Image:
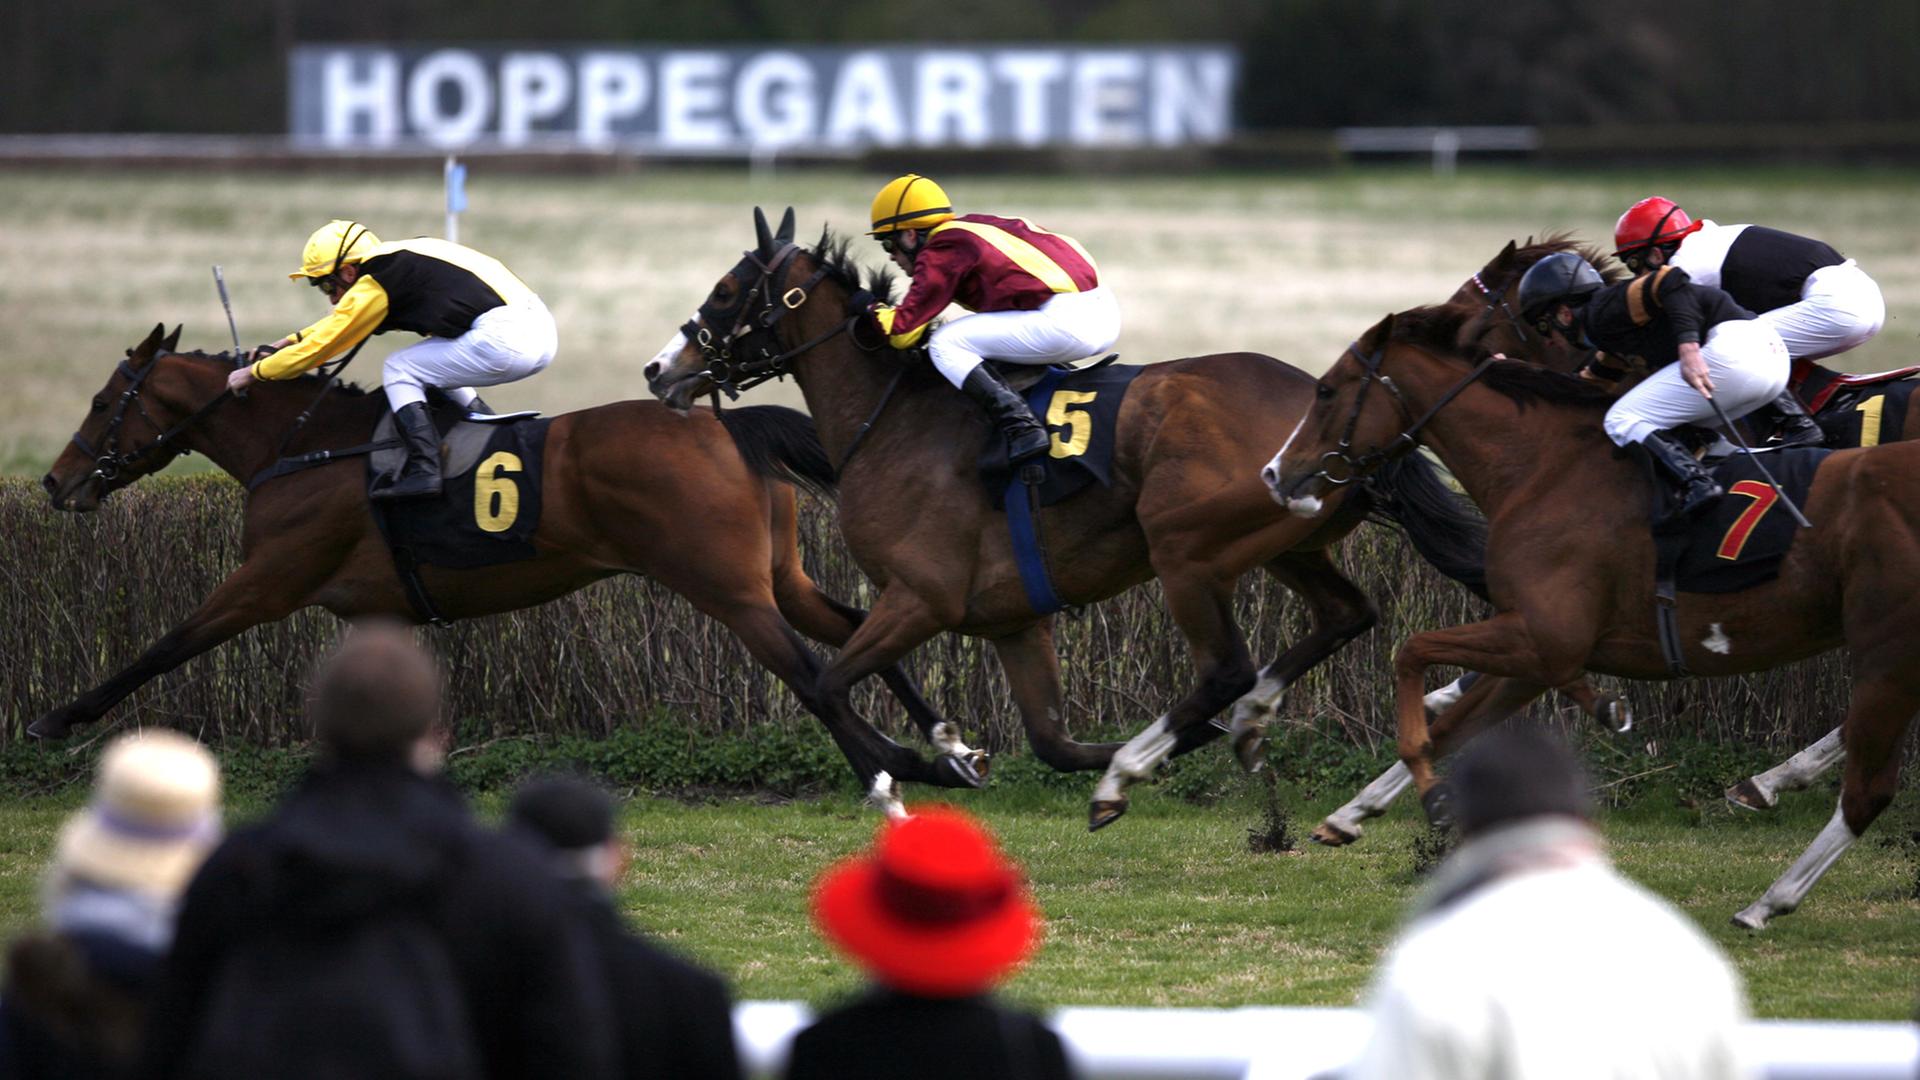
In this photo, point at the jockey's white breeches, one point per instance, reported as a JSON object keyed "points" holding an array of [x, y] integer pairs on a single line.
{"points": [[1749, 367], [506, 343], [1840, 307], [1071, 326]]}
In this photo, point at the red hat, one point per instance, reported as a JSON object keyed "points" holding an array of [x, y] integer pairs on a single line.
{"points": [[934, 909]]}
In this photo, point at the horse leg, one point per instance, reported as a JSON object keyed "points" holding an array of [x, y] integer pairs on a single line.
{"points": [[1339, 613], [1453, 714], [899, 623], [1032, 668], [261, 590], [1610, 711], [1762, 792], [1883, 706], [1504, 644], [831, 622], [1202, 606]]}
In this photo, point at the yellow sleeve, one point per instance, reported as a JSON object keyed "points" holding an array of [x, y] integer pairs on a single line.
{"points": [[884, 315], [359, 313]]}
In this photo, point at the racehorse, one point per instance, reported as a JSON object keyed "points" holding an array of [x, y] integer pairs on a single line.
{"points": [[1186, 505], [1570, 559], [618, 482]]}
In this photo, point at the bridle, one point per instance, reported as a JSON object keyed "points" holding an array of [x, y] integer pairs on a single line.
{"points": [[1356, 466], [108, 462], [1497, 301], [739, 341]]}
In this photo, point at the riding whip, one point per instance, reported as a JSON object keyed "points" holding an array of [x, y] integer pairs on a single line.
{"points": [[1741, 442], [220, 282]]}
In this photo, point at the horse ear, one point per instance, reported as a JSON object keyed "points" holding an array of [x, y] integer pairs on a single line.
{"points": [[762, 237], [173, 339], [785, 235], [144, 351]]}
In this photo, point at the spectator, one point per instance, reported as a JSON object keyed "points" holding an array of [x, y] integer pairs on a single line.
{"points": [[76, 993], [671, 1018], [938, 916], [369, 927], [1529, 956]]}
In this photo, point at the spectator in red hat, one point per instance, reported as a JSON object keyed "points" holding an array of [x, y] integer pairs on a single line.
{"points": [[938, 916]]}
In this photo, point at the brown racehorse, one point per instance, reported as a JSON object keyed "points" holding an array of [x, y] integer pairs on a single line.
{"points": [[619, 480], [1570, 558], [1186, 505]]}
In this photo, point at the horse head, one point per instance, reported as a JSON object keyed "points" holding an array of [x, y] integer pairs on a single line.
{"points": [[735, 340], [123, 435], [1500, 327]]}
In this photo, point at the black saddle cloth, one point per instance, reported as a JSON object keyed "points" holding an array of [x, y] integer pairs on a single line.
{"points": [[489, 504], [1739, 542], [1081, 409]]}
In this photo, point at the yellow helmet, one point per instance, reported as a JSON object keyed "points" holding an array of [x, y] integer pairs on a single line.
{"points": [[336, 242], [909, 202]]}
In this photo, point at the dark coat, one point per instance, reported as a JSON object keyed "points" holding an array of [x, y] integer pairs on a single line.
{"points": [[673, 1019], [73, 1006], [355, 842], [891, 1034]]}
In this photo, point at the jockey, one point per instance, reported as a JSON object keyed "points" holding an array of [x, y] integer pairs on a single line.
{"points": [[1817, 300], [1038, 295], [1721, 350], [482, 324]]}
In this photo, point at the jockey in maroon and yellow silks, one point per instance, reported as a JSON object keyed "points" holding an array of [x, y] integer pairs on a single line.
{"points": [[1037, 295]]}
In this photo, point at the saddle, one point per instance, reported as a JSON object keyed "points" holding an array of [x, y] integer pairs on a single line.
{"points": [[1817, 385], [462, 437], [1022, 377]]}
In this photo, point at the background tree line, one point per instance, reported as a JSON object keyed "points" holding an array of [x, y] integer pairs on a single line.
{"points": [[219, 65]]}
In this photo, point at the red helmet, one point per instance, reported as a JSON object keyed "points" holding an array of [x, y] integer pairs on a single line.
{"points": [[1653, 220]]}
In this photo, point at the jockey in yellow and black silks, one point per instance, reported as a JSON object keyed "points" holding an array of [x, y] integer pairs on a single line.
{"points": [[483, 327]]}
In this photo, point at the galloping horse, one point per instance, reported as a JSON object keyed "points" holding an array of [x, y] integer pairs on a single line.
{"points": [[1186, 505], [618, 482], [1570, 560]]}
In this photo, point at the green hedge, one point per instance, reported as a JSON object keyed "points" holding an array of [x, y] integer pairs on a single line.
{"points": [[85, 594]]}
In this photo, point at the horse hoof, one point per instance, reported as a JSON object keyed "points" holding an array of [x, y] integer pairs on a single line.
{"points": [[1250, 747], [1617, 714], [1753, 918], [1438, 803], [982, 763], [1104, 813], [1748, 795], [50, 727], [1332, 835], [951, 771]]}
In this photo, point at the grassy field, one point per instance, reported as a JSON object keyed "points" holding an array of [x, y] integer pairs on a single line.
{"points": [[1292, 265], [1169, 907]]}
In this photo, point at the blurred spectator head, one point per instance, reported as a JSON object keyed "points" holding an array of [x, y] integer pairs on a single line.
{"points": [[933, 909], [154, 817], [377, 696], [1514, 773], [575, 819]]}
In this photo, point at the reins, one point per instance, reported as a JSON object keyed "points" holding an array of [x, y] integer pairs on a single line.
{"points": [[732, 365], [1360, 465], [107, 464]]}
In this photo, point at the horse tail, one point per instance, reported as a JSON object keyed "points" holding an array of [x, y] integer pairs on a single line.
{"points": [[781, 444], [1443, 525]]}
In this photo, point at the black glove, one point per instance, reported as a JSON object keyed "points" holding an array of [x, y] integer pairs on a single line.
{"points": [[860, 300], [261, 352]]}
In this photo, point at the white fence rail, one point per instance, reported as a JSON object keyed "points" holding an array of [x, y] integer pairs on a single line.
{"points": [[1297, 1044], [1446, 144]]}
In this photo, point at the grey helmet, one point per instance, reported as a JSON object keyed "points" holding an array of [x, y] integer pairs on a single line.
{"points": [[1560, 277]]}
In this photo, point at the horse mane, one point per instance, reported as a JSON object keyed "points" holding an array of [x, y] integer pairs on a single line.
{"points": [[225, 359], [834, 254], [1436, 329], [1509, 265]]}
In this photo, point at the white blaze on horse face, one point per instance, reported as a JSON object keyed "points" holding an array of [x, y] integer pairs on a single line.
{"points": [[1717, 640], [1303, 505], [663, 359]]}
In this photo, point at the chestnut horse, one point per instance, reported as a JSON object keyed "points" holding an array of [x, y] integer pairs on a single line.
{"points": [[1186, 505], [1570, 558], [619, 480]]}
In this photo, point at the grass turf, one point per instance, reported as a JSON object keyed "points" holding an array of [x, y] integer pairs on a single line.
{"points": [[1170, 907]]}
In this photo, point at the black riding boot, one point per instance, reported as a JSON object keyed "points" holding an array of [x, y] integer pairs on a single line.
{"points": [[419, 478], [1792, 427], [1697, 489], [1025, 436], [478, 407]]}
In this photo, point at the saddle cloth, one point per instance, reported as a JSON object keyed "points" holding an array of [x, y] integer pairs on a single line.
{"points": [[1864, 413], [1080, 408], [489, 504], [1816, 384], [1740, 541]]}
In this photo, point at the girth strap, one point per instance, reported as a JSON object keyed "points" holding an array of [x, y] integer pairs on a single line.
{"points": [[1029, 552]]}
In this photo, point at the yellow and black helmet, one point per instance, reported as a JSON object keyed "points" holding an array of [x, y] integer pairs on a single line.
{"points": [[909, 202], [338, 241]]}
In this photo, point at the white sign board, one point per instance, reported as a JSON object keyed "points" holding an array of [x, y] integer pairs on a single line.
{"points": [[747, 100]]}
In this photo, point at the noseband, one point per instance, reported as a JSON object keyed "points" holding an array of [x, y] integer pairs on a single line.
{"points": [[1355, 466], [108, 463], [739, 342], [1497, 301]]}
